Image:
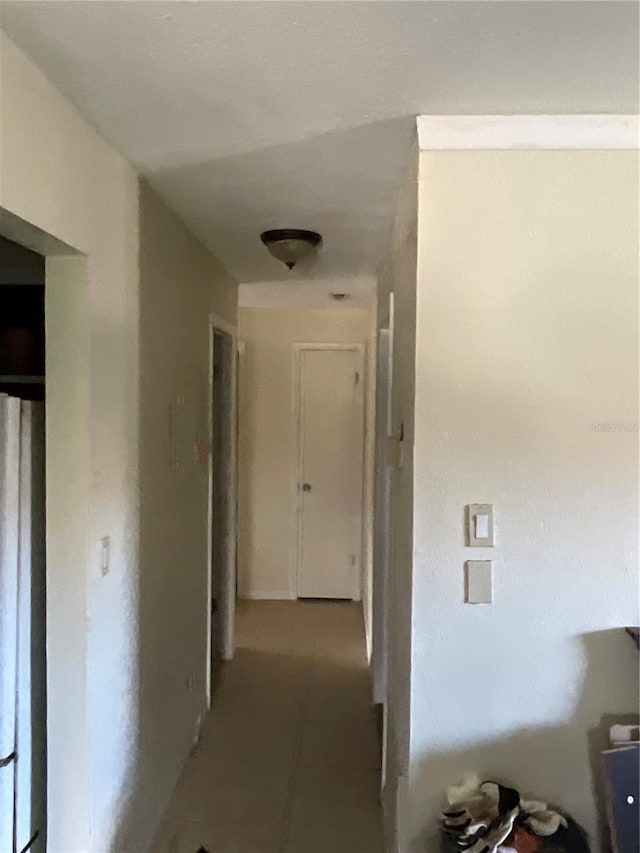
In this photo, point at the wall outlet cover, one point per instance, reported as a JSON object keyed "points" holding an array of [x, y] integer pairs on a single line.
{"points": [[479, 582]]}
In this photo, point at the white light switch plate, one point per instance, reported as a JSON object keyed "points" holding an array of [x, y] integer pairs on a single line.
{"points": [[105, 555], [479, 582], [479, 526]]}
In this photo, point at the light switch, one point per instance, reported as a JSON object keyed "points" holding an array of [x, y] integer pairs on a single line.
{"points": [[482, 526], [479, 582], [479, 526], [105, 554]]}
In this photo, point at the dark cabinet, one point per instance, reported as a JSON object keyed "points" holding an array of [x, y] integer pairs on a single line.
{"points": [[622, 768]]}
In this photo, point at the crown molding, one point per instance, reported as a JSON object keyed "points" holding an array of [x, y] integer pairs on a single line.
{"points": [[527, 132]]}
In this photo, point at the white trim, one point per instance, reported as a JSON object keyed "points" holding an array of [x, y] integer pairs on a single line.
{"points": [[493, 132], [268, 595], [296, 557], [243, 578], [222, 325], [209, 658]]}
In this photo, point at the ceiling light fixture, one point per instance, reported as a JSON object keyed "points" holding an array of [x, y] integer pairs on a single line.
{"points": [[290, 245], [340, 297]]}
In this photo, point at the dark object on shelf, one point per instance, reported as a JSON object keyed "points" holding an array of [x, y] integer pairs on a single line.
{"points": [[22, 341], [622, 767], [18, 350], [635, 633], [23, 387], [22, 329]]}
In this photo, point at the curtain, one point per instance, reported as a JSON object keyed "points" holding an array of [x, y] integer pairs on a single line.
{"points": [[22, 626], [9, 560]]}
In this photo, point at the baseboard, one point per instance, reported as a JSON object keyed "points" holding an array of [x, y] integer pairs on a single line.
{"points": [[202, 717], [388, 821], [268, 595]]}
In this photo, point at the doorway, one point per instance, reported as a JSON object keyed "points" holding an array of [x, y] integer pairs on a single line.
{"points": [[330, 456], [222, 492]]}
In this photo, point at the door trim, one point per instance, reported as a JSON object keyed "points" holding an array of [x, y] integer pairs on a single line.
{"points": [[296, 556], [381, 517], [219, 325]]}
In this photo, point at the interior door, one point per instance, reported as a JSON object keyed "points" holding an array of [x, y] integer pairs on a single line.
{"points": [[330, 472]]}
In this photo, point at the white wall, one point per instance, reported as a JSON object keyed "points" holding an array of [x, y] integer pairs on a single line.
{"points": [[181, 285], [120, 647], [527, 334], [268, 437], [58, 178]]}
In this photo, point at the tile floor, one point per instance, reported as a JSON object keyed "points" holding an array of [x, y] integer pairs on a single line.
{"points": [[289, 757]]}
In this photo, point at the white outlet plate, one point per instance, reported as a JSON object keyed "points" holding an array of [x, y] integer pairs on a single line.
{"points": [[479, 582]]}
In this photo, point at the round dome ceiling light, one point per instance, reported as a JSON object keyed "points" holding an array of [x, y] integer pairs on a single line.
{"points": [[290, 245]]}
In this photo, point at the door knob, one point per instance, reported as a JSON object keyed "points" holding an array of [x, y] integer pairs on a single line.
{"points": [[306, 487]]}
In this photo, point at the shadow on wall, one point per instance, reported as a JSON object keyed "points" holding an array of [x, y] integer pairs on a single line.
{"points": [[530, 758], [257, 186]]}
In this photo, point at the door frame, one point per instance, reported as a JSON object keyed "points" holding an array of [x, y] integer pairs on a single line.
{"points": [[229, 570], [381, 517], [67, 544], [296, 557]]}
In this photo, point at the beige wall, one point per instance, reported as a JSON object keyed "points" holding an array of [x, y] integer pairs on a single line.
{"points": [[181, 285], [119, 646], [65, 192], [527, 336], [268, 436]]}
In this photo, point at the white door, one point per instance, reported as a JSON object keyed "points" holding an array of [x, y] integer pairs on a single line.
{"points": [[330, 472]]}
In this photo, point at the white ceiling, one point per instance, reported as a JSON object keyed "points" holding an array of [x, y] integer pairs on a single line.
{"points": [[247, 116]]}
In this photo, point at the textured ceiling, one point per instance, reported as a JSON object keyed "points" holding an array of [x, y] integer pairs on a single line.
{"points": [[248, 116]]}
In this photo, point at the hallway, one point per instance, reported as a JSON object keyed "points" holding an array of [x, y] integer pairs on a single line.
{"points": [[289, 757]]}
